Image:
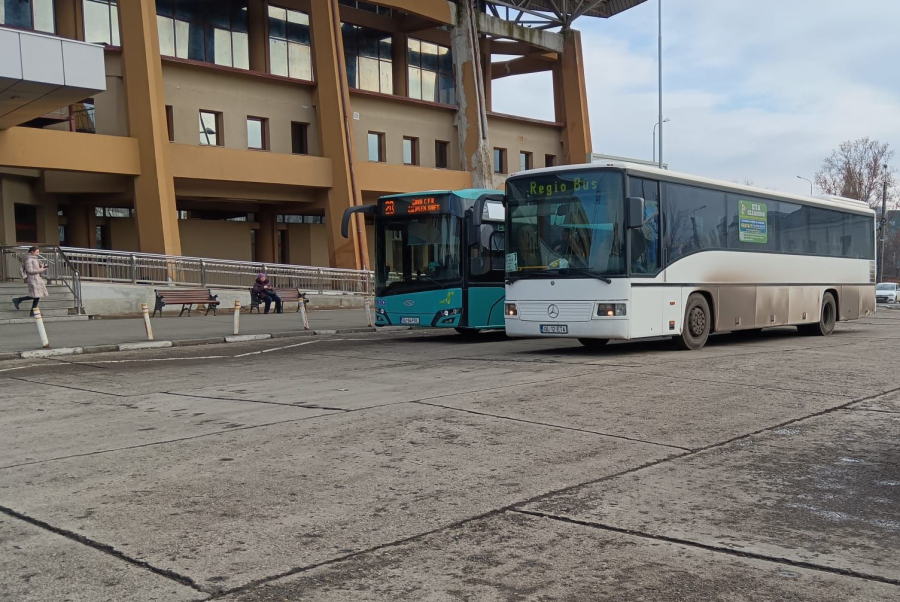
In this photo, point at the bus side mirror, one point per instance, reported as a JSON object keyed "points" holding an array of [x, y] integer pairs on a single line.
{"points": [[345, 222], [634, 212], [478, 207]]}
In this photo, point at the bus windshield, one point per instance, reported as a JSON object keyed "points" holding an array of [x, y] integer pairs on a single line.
{"points": [[418, 253], [566, 224]]}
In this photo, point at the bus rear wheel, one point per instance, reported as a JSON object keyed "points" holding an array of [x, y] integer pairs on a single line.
{"points": [[697, 323], [593, 343], [827, 319]]}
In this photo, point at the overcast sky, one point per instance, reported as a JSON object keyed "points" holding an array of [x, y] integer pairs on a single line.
{"points": [[760, 90]]}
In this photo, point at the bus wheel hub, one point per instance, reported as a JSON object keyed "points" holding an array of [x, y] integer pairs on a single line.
{"points": [[697, 322]]}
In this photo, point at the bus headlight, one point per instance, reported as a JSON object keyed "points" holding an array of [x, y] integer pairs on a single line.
{"points": [[511, 310], [609, 310]]}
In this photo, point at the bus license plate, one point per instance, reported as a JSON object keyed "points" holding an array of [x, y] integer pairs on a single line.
{"points": [[409, 320], [554, 329]]}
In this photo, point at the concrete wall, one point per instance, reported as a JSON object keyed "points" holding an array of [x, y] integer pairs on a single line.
{"points": [[110, 109], [18, 190], [123, 234], [308, 244], [518, 135], [236, 95], [215, 239]]}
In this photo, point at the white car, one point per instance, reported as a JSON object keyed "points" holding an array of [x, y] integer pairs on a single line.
{"points": [[887, 292]]}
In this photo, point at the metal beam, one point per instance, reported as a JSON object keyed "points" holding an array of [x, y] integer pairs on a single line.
{"points": [[504, 29]]}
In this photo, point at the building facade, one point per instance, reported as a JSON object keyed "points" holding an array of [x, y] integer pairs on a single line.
{"points": [[242, 129]]}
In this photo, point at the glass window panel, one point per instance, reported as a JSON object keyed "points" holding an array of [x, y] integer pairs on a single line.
{"points": [[96, 22], [368, 74], [429, 85], [239, 16], [43, 16], [277, 22], [695, 220], [407, 151], [240, 43], [165, 8], [218, 14], [415, 83], [368, 44], [645, 250], [429, 56], [794, 228], [166, 29], [440, 154], [182, 38], [188, 10], [254, 134], [498, 160], [348, 33], [197, 42], [114, 25], [385, 49], [448, 90], [221, 47], [15, 14], [278, 57], [387, 77], [300, 62], [208, 132], [445, 60], [415, 53], [374, 147], [298, 27]]}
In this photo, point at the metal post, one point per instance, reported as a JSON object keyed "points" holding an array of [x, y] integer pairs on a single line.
{"points": [[42, 332], [369, 319], [133, 269], [147, 327], [883, 222], [202, 273], [237, 317], [303, 315], [660, 89]]}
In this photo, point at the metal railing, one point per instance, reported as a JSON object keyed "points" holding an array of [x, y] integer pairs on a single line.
{"points": [[60, 269], [91, 265]]}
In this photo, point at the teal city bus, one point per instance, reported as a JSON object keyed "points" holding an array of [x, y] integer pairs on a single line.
{"points": [[439, 259]]}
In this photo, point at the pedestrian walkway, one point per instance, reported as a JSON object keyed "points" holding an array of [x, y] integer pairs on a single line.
{"points": [[24, 337]]}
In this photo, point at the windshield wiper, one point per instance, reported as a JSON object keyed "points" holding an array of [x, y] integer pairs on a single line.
{"points": [[585, 272], [557, 272]]}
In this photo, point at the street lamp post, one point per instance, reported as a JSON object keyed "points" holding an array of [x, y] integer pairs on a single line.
{"points": [[660, 89], [655, 125], [810, 184], [884, 222]]}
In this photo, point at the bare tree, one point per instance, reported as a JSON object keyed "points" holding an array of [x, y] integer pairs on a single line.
{"points": [[856, 170]]}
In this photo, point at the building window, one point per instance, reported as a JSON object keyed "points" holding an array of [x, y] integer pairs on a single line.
{"points": [[211, 133], [36, 15], [499, 160], [257, 133], [410, 151], [170, 122], [101, 22], [441, 154], [376, 147], [370, 8], [212, 32], [368, 55], [549, 160], [525, 161], [289, 46], [299, 138], [431, 72], [81, 116]]}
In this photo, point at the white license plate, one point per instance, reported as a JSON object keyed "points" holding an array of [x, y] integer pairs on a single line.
{"points": [[409, 320], [554, 329]]}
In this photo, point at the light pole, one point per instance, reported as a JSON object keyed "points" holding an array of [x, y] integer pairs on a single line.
{"points": [[884, 221], [666, 120], [660, 122], [810, 184]]}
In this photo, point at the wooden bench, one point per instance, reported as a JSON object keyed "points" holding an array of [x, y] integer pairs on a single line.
{"points": [[185, 298], [287, 295]]}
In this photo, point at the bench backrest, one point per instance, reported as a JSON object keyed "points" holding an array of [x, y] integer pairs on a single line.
{"points": [[185, 295]]}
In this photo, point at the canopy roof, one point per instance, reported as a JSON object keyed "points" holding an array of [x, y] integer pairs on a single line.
{"points": [[566, 11]]}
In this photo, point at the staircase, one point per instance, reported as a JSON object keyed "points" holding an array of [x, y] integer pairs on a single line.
{"points": [[58, 307]]}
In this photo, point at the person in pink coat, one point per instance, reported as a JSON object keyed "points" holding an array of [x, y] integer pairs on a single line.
{"points": [[37, 287]]}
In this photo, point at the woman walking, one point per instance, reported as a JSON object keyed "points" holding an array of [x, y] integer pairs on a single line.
{"points": [[37, 288]]}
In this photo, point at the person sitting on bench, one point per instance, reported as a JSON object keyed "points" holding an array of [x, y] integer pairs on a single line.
{"points": [[266, 293]]}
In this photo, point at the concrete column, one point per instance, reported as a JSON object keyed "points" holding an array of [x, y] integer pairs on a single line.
{"points": [[78, 225], [259, 40], [154, 198], [68, 22], [571, 92], [471, 116], [266, 237], [487, 76], [400, 63], [332, 105]]}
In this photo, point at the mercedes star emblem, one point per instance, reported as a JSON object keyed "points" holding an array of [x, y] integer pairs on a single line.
{"points": [[553, 311]]}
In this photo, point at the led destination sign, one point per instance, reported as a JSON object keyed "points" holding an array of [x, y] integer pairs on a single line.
{"points": [[414, 205]]}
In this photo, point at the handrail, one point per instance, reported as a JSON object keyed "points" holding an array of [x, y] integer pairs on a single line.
{"points": [[99, 265], [60, 268]]}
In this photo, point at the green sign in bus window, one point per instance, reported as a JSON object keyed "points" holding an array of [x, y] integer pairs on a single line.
{"points": [[752, 222]]}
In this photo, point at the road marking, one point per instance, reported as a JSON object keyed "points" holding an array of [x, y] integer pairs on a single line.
{"points": [[23, 367], [280, 348]]}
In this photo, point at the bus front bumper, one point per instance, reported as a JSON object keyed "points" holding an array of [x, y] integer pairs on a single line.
{"points": [[604, 328]]}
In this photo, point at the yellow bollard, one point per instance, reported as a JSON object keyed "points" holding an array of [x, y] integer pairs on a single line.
{"points": [[237, 317], [303, 315], [146, 312], [39, 320]]}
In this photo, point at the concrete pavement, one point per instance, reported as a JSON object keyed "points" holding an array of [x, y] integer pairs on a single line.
{"points": [[415, 466]]}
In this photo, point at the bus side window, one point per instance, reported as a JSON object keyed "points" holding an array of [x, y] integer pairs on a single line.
{"points": [[486, 254], [645, 240]]}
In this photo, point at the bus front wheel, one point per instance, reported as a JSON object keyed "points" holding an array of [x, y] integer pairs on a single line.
{"points": [[827, 319], [697, 323], [593, 343]]}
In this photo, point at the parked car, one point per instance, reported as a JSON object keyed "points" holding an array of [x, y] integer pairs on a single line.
{"points": [[887, 292]]}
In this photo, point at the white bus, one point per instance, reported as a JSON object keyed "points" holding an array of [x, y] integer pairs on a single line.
{"points": [[625, 251]]}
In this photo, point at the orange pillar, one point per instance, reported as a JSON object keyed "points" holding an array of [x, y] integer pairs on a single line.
{"points": [[258, 40], [333, 104], [266, 237], [67, 22], [400, 63], [78, 225], [570, 93], [154, 189]]}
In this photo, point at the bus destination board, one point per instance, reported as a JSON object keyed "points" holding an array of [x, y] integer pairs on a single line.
{"points": [[413, 205]]}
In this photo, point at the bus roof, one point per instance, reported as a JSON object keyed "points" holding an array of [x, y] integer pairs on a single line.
{"points": [[466, 193], [830, 201]]}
